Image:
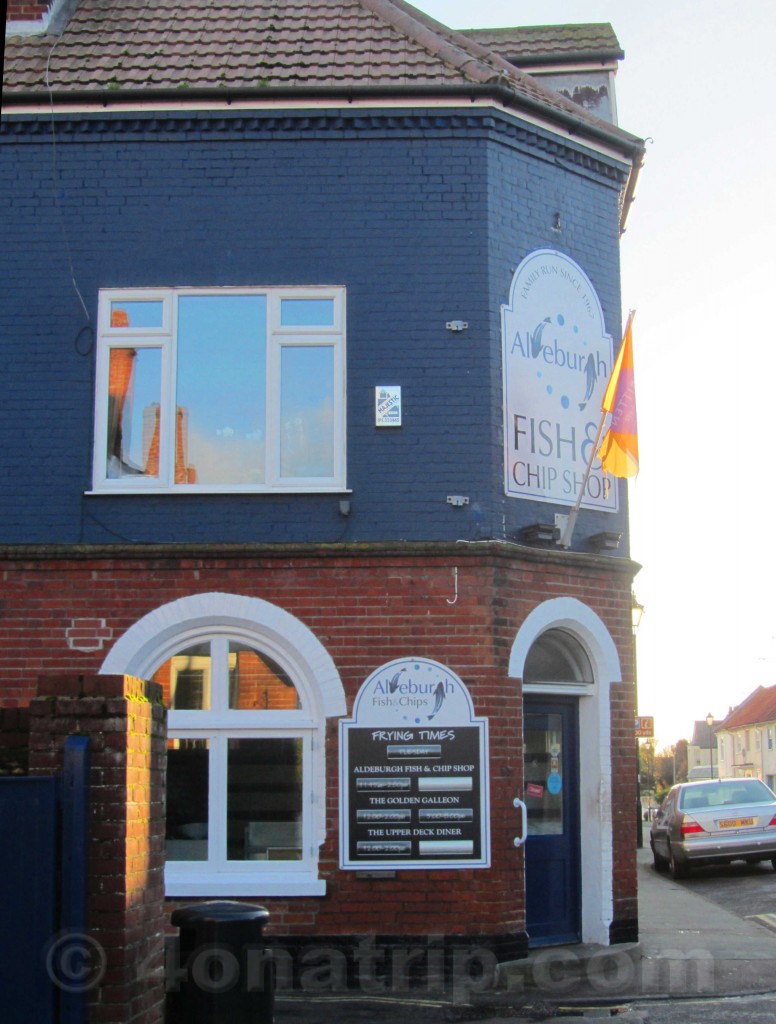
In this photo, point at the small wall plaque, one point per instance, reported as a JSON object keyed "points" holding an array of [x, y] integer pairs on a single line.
{"points": [[387, 405]]}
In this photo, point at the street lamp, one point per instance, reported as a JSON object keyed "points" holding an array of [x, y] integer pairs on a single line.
{"points": [[637, 610], [710, 722]]}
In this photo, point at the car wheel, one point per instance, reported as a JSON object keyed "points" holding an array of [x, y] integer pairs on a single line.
{"points": [[773, 863], [659, 863], [677, 869]]}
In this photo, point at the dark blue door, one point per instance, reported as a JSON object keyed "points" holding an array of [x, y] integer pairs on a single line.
{"points": [[551, 794]]}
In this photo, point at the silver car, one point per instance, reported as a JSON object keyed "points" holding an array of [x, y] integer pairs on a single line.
{"points": [[714, 822]]}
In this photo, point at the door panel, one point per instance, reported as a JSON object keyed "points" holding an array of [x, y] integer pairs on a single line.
{"points": [[551, 794], [28, 869]]}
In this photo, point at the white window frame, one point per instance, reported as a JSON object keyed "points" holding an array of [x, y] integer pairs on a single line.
{"points": [[164, 339], [166, 631], [217, 725]]}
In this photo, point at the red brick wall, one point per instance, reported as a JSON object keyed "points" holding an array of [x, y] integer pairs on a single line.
{"points": [[26, 10], [366, 609], [125, 722]]}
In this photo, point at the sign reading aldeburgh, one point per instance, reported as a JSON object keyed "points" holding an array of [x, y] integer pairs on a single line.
{"points": [[414, 772], [557, 362]]}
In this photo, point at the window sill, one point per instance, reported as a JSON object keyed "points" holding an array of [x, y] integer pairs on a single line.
{"points": [[243, 884], [148, 492]]}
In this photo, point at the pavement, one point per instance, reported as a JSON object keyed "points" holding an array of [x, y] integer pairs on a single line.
{"points": [[688, 948]]}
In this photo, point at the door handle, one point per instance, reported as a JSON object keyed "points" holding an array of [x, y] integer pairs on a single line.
{"points": [[519, 840]]}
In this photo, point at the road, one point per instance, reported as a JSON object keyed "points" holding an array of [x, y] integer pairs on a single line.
{"points": [[749, 1010], [748, 890], [744, 889]]}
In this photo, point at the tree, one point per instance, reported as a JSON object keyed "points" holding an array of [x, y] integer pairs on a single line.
{"points": [[670, 766], [647, 766]]}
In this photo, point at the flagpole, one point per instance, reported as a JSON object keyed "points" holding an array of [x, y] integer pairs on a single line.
{"points": [[565, 540], [571, 522]]}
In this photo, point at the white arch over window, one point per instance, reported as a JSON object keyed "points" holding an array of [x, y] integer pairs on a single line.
{"points": [[152, 639], [595, 761], [167, 630]]}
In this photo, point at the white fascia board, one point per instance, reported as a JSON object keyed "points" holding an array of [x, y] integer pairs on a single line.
{"points": [[27, 28], [575, 68]]}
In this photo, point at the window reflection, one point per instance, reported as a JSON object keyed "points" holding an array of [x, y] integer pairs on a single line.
{"points": [[137, 313], [307, 411], [307, 312], [185, 679], [543, 761], [557, 657], [187, 799], [134, 397], [264, 799], [258, 683], [221, 389]]}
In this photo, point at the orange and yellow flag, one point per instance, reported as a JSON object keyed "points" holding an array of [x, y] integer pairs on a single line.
{"points": [[619, 451]]}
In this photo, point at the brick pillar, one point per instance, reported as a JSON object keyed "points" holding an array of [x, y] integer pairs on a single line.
{"points": [[126, 723]]}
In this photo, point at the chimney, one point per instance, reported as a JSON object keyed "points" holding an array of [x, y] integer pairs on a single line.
{"points": [[33, 17], [26, 10]]}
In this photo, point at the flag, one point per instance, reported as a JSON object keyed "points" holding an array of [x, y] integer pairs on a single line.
{"points": [[619, 451]]}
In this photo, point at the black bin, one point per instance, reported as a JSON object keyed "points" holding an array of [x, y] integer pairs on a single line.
{"points": [[228, 973]]}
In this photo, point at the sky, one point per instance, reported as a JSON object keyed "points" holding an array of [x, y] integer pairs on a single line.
{"points": [[698, 266]]}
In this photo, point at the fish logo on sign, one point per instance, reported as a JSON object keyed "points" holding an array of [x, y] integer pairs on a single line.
{"points": [[394, 682], [439, 696], [591, 376]]}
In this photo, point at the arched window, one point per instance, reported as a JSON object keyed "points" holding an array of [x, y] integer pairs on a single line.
{"points": [[248, 688], [557, 657]]}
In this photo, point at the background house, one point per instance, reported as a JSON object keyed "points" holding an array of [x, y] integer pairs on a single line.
{"points": [[703, 752], [746, 737], [274, 272]]}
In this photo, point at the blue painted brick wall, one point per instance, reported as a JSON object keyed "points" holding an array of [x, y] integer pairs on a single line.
{"points": [[527, 201], [422, 221]]}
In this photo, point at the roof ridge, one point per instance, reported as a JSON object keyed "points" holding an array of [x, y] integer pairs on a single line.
{"points": [[439, 40], [549, 26], [758, 706], [478, 62]]}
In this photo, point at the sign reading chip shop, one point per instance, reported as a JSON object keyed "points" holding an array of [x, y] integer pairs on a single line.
{"points": [[414, 772], [557, 362]]}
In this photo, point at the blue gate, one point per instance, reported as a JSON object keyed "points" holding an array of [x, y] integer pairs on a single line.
{"points": [[44, 947]]}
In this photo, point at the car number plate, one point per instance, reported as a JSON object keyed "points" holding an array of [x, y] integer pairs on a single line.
{"points": [[735, 822]]}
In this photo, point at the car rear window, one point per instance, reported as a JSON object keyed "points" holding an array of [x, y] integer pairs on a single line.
{"points": [[723, 794]]}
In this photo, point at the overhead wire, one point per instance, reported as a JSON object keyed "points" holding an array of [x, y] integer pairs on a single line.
{"points": [[55, 183]]}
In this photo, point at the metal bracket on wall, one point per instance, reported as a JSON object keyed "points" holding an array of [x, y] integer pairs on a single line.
{"points": [[457, 500], [457, 325]]}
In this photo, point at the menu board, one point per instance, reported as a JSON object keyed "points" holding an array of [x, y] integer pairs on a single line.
{"points": [[413, 773]]}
